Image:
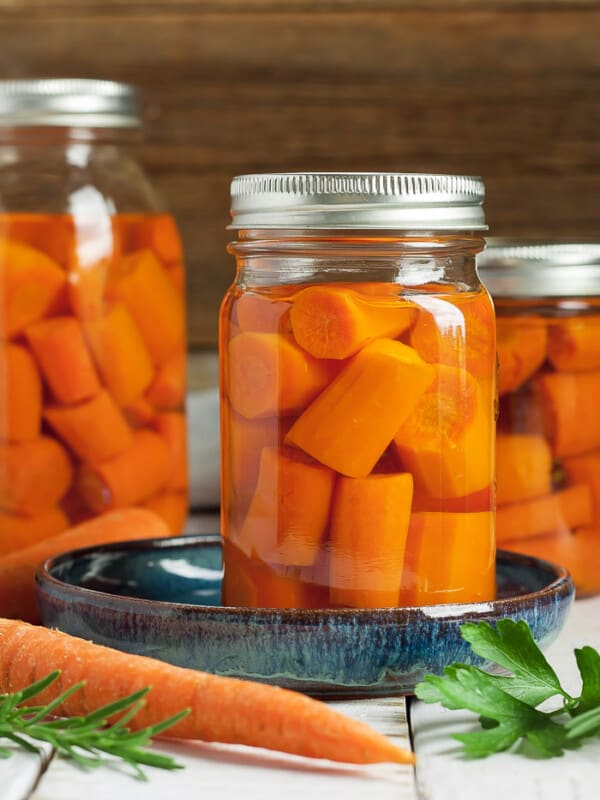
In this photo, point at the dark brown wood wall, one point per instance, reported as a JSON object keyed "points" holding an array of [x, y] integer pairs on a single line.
{"points": [[507, 90]]}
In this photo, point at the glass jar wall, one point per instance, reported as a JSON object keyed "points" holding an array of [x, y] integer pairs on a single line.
{"points": [[547, 301], [93, 344], [358, 360]]}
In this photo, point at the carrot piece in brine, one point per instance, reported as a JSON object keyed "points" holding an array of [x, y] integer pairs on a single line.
{"points": [[167, 390], [18, 531], [336, 322], [351, 423], [34, 475], [574, 344], [449, 558], [154, 303], [31, 286], [569, 402], [521, 344], [64, 359], [159, 233], [586, 469], [87, 288], [268, 374], [140, 413], [172, 426], [129, 478], [121, 355], [523, 468], [95, 430], [447, 441], [20, 394], [255, 312], [564, 510], [288, 515], [369, 527], [172, 507]]}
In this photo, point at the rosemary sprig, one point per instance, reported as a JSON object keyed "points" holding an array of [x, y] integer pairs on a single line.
{"points": [[86, 740]]}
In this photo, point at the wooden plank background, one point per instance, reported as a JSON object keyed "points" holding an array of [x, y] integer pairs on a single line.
{"points": [[507, 90]]}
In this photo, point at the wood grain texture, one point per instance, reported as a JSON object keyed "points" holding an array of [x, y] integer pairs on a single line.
{"points": [[510, 91]]}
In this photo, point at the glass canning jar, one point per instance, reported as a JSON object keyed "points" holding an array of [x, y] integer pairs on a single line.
{"points": [[358, 382], [92, 338], [547, 299]]}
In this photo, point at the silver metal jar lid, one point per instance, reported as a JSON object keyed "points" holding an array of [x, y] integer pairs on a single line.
{"points": [[358, 200], [69, 102], [513, 269]]}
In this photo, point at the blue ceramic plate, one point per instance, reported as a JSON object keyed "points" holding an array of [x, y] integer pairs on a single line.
{"points": [[162, 598]]}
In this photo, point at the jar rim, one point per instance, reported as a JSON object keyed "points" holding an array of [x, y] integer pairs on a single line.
{"points": [[357, 200]]}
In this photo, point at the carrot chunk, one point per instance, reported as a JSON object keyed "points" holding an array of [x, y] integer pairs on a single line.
{"points": [[449, 558], [87, 285], [269, 374], [154, 303], [260, 314], [159, 233], [66, 364], [21, 394], [457, 332], [288, 515], [574, 344], [369, 528], [172, 507], [521, 344], [569, 403], [565, 510], [586, 469], [32, 285], [121, 355], [351, 423], [335, 322], [167, 390], [18, 531], [34, 475], [171, 425], [95, 430], [447, 441], [130, 477], [523, 468]]}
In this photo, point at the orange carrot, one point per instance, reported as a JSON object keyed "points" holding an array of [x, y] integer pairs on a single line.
{"points": [[141, 413], [521, 344], [334, 322], [586, 469], [172, 507], [176, 273], [159, 233], [565, 510], [171, 425], [261, 314], [368, 537], [523, 468], [167, 390], [121, 355], [574, 344], [95, 430], [66, 364], [351, 423], [18, 531], [130, 477], [32, 285], [222, 709], [52, 234], [449, 558], [17, 570], [288, 515], [570, 406], [21, 394], [458, 332], [447, 441], [154, 303], [34, 475], [269, 374], [87, 285]]}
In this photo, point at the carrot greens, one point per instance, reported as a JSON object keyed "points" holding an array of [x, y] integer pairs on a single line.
{"points": [[86, 740], [507, 705]]}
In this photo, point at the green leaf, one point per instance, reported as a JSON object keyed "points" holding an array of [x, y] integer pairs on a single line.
{"points": [[588, 661], [512, 646]]}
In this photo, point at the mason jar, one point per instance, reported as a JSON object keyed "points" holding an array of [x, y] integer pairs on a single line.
{"points": [[547, 299], [93, 343], [358, 380]]}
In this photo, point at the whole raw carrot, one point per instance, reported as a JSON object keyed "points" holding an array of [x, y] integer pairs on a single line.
{"points": [[221, 709], [17, 570]]}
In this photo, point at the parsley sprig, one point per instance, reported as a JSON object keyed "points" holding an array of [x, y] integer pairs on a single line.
{"points": [[507, 705], [86, 740]]}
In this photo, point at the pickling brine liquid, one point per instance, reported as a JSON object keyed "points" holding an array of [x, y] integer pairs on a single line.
{"points": [[358, 439], [92, 371]]}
